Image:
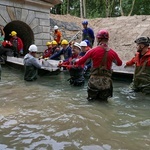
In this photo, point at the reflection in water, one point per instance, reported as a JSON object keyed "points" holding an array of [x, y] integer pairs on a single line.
{"points": [[50, 114]]}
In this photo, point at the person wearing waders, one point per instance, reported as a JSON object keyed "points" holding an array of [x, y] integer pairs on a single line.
{"points": [[100, 85], [141, 60], [75, 71], [31, 64]]}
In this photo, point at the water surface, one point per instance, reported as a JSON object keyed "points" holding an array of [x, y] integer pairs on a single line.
{"points": [[49, 114]]}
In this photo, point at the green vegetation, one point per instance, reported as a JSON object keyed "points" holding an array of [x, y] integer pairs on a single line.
{"points": [[102, 8]]}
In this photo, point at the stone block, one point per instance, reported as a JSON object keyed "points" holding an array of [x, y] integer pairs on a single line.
{"points": [[38, 42], [18, 13], [6, 2], [42, 15], [4, 14], [44, 22], [46, 29], [37, 8], [34, 23], [41, 48], [24, 15], [31, 16], [45, 41], [42, 36], [38, 29], [11, 12], [2, 21]]}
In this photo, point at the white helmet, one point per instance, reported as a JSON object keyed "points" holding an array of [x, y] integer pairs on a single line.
{"points": [[83, 43], [55, 27], [33, 48], [77, 45]]}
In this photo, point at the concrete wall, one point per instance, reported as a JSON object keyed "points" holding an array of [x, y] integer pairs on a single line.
{"points": [[34, 13]]}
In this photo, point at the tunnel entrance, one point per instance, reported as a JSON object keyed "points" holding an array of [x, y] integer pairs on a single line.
{"points": [[23, 31]]}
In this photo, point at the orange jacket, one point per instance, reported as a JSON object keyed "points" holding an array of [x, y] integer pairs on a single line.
{"points": [[140, 61], [57, 36]]}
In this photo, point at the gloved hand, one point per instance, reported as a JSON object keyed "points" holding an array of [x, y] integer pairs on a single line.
{"points": [[59, 64], [46, 58], [41, 57]]}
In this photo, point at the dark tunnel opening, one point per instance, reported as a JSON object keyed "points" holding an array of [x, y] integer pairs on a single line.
{"points": [[23, 31]]}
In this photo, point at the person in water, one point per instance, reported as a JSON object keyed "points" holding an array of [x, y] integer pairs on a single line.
{"points": [[141, 60], [31, 64], [100, 84], [76, 72]]}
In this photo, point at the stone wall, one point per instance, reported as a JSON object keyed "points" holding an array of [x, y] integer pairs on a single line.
{"points": [[35, 14]]}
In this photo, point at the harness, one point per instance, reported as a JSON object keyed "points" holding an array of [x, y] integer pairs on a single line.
{"points": [[102, 69], [100, 83]]}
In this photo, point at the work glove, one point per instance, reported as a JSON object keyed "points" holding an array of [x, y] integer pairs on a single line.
{"points": [[41, 57], [46, 58]]}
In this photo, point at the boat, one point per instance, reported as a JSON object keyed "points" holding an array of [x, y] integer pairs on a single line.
{"points": [[49, 67], [123, 74]]}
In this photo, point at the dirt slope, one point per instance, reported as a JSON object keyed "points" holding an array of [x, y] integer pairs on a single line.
{"points": [[123, 31]]}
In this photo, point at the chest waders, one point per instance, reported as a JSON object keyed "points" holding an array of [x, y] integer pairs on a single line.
{"points": [[77, 78], [141, 80], [100, 83], [31, 73]]}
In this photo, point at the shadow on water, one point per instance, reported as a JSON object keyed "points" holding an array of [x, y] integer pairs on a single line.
{"points": [[49, 114]]}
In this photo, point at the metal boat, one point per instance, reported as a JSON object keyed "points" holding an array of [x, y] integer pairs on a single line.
{"points": [[49, 67]]}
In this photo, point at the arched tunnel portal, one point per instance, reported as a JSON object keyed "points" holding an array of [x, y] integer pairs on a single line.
{"points": [[23, 31]]}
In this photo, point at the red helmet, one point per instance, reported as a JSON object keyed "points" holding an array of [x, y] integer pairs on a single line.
{"points": [[102, 34]]}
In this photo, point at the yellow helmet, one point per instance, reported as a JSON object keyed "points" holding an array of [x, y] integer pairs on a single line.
{"points": [[65, 42], [13, 33], [48, 43], [54, 42]]}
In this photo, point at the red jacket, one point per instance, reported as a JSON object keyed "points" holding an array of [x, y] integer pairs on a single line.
{"points": [[139, 61], [19, 43], [71, 62], [47, 53], [96, 55]]}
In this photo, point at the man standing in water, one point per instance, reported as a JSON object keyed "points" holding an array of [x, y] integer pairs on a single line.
{"points": [[100, 84], [141, 80], [31, 64]]}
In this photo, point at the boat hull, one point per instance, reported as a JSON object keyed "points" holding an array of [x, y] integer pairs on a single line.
{"points": [[48, 67]]}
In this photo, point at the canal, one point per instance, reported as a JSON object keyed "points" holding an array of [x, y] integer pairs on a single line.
{"points": [[49, 114]]}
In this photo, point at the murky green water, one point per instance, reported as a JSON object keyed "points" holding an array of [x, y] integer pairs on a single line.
{"points": [[49, 114]]}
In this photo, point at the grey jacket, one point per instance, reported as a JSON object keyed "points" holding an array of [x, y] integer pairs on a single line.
{"points": [[29, 60], [31, 67]]}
